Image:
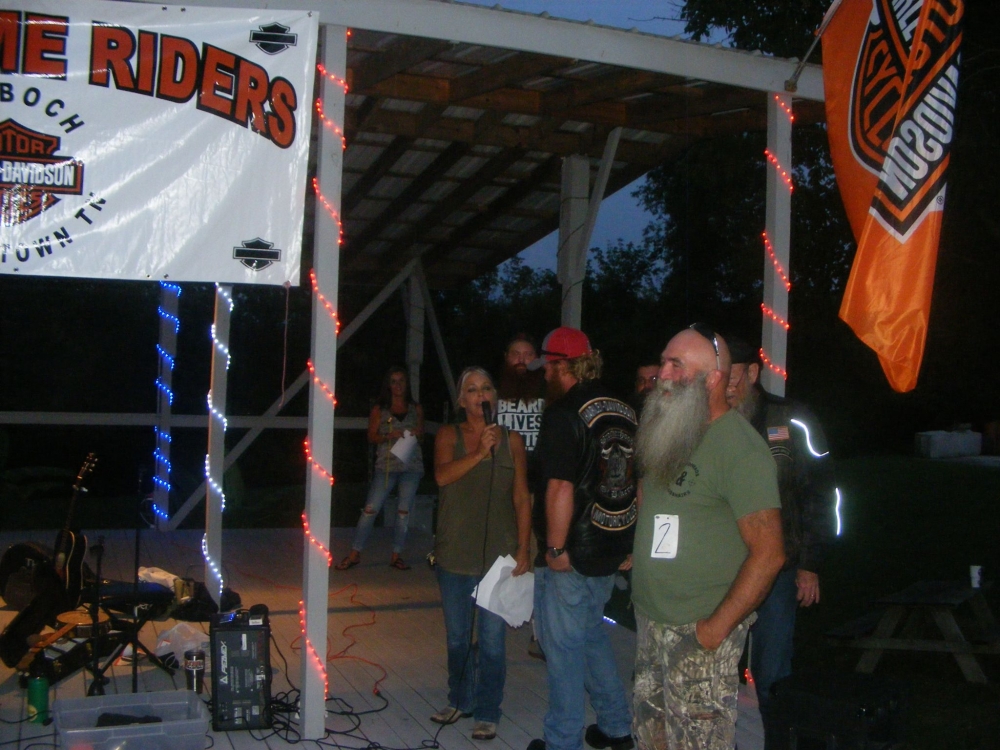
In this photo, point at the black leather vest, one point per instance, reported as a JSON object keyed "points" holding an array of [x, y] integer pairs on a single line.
{"points": [[605, 481]]}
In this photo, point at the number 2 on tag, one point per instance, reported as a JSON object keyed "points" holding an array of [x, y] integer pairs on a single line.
{"points": [[665, 531]]}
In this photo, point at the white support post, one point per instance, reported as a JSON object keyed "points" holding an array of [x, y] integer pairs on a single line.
{"points": [[777, 241], [414, 334], [215, 499], [166, 353], [600, 184], [571, 261], [319, 488]]}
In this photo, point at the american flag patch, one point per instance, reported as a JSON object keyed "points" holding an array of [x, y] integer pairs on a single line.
{"points": [[774, 434]]}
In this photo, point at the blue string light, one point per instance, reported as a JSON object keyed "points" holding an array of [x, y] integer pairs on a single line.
{"points": [[162, 483], [166, 390], [175, 288], [163, 435], [160, 512], [165, 357], [159, 458], [171, 317]]}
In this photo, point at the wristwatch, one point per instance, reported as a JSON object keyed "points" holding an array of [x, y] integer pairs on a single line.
{"points": [[554, 552]]}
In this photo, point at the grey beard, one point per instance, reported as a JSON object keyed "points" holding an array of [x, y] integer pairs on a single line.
{"points": [[672, 427], [748, 406]]}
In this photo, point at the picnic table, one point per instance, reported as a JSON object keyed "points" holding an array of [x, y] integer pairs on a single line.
{"points": [[936, 600]]}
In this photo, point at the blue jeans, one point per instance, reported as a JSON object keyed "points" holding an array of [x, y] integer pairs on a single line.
{"points": [[771, 638], [381, 485], [475, 674], [569, 611]]}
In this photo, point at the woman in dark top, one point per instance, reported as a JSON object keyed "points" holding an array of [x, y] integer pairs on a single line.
{"points": [[394, 415], [483, 513]]}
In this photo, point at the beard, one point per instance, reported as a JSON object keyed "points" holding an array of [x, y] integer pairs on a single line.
{"points": [[748, 407], [521, 384], [671, 427], [553, 391]]}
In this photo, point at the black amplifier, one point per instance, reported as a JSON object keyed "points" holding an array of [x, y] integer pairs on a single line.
{"points": [[241, 670]]}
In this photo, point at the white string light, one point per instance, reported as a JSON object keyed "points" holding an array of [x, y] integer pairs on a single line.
{"points": [[225, 294], [213, 485], [805, 428], [211, 563], [221, 347], [217, 414]]}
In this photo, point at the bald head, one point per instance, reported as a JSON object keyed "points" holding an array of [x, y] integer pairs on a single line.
{"points": [[689, 355]]}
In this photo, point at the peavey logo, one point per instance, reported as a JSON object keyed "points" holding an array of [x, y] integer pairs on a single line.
{"points": [[902, 121], [223, 663], [31, 176], [257, 254], [273, 38]]}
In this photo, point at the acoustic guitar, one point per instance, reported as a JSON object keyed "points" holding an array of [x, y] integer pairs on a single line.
{"points": [[71, 546]]}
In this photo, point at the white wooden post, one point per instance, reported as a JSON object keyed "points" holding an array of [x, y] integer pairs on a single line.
{"points": [[777, 240], [571, 261], [326, 259], [215, 499]]}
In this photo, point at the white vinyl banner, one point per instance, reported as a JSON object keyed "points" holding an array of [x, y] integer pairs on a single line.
{"points": [[154, 142]]}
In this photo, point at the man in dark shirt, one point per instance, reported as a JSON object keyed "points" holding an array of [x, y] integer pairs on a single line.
{"points": [[808, 518], [584, 519]]}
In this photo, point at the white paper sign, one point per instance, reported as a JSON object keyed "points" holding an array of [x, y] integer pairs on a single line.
{"points": [[154, 142], [666, 529], [404, 447]]}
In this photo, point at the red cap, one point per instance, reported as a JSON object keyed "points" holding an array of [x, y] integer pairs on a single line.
{"points": [[562, 343]]}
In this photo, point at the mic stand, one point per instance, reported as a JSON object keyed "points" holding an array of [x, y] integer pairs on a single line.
{"points": [[97, 686]]}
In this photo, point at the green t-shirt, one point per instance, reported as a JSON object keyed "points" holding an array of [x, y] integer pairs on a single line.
{"points": [[688, 548]]}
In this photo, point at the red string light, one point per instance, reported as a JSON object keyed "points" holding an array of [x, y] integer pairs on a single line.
{"points": [[330, 123], [316, 542], [325, 302], [320, 664], [333, 78], [322, 386], [774, 260], [315, 464], [771, 366], [781, 170], [774, 316], [788, 111], [330, 210]]}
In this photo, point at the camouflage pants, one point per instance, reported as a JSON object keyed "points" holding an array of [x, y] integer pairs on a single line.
{"points": [[685, 696]]}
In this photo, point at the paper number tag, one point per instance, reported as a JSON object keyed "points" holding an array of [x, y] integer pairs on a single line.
{"points": [[665, 529]]}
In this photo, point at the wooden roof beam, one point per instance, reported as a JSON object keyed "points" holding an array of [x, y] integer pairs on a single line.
{"points": [[545, 172], [406, 52], [389, 156], [503, 74], [414, 190], [398, 252]]}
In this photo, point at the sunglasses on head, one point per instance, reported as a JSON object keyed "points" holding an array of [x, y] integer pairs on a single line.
{"points": [[705, 331]]}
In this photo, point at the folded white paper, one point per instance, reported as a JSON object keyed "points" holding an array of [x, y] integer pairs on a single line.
{"points": [[404, 447], [510, 597]]}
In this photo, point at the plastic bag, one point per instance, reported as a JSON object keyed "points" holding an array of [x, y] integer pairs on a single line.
{"points": [[182, 637]]}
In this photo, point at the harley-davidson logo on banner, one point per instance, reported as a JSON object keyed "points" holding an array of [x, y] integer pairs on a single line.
{"points": [[890, 72], [150, 142]]}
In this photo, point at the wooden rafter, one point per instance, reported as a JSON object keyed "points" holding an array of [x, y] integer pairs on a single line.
{"points": [[399, 251], [422, 182], [406, 52], [375, 172]]}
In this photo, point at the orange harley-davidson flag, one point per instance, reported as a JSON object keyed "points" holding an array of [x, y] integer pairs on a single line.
{"points": [[890, 74]]}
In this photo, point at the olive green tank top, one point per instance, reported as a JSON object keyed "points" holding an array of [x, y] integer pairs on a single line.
{"points": [[468, 513]]}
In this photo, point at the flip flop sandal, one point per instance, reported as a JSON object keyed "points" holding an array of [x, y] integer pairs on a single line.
{"points": [[347, 563], [399, 564]]}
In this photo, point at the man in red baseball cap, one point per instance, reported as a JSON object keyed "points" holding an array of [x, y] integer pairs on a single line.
{"points": [[584, 518]]}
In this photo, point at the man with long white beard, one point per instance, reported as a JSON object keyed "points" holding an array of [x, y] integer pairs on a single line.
{"points": [[707, 548]]}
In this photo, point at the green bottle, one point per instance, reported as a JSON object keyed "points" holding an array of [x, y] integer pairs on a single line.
{"points": [[38, 700]]}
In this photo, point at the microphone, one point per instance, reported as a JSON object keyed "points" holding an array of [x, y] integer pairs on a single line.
{"points": [[488, 418]]}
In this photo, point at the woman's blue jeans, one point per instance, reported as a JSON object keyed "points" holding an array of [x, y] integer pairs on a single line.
{"points": [[476, 674], [381, 485]]}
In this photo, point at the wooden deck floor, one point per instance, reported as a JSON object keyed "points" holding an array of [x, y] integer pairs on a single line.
{"points": [[381, 621]]}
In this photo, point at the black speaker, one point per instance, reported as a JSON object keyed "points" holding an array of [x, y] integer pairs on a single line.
{"points": [[241, 670]]}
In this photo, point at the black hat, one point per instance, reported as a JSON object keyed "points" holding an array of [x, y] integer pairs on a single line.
{"points": [[741, 353]]}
